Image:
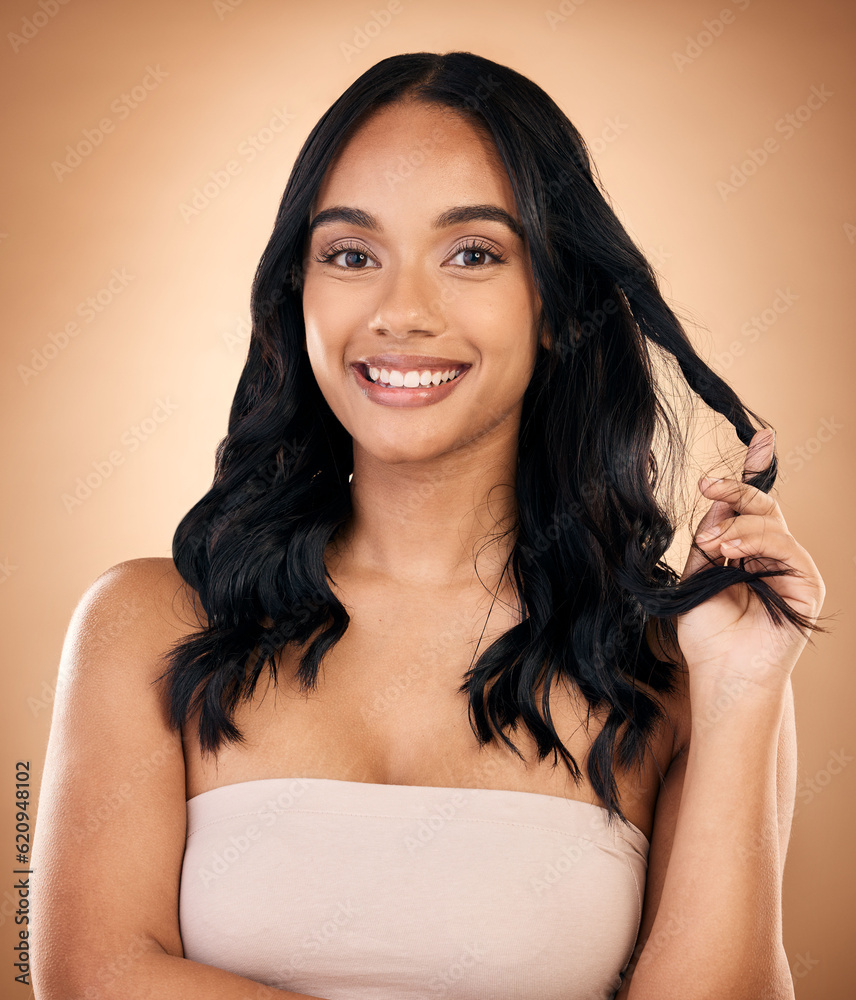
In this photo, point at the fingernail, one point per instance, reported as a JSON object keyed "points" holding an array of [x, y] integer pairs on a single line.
{"points": [[711, 533]]}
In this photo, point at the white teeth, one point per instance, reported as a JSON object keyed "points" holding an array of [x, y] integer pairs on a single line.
{"points": [[411, 379]]}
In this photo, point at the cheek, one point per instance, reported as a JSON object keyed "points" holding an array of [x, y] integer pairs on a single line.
{"points": [[325, 335], [506, 338], [505, 311]]}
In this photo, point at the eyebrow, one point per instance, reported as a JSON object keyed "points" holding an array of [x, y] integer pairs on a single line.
{"points": [[451, 217]]}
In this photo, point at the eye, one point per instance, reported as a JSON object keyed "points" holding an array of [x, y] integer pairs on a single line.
{"points": [[481, 252], [482, 256], [350, 252]]}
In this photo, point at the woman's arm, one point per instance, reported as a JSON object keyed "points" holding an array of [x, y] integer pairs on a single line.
{"points": [[155, 975], [111, 822], [711, 925]]}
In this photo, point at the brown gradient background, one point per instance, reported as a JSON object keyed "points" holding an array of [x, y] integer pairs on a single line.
{"points": [[177, 332]]}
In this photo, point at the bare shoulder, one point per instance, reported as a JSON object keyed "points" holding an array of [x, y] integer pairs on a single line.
{"points": [[113, 786], [146, 597], [677, 704]]}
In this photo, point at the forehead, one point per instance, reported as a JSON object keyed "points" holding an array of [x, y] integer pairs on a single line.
{"points": [[416, 155]]}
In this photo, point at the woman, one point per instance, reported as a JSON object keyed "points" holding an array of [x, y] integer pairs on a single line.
{"points": [[443, 464]]}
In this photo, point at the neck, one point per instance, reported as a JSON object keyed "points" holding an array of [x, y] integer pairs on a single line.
{"points": [[431, 522]]}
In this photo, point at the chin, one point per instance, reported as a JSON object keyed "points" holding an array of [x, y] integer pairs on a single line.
{"points": [[407, 448]]}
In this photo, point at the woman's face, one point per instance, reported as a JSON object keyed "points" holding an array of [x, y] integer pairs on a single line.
{"points": [[402, 298]]}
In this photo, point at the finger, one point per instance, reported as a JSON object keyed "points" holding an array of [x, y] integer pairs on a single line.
{"points": [[759, 453], [729, 497], [734, 527], [742, 498], [754, 544], [780, 550], [716, 516], [697, 557]]}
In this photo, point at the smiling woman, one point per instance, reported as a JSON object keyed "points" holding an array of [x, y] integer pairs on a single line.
{"points": [[442, 482], [391, 272]]}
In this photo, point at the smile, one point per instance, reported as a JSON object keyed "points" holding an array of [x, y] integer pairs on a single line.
{"points": [[414, 387], [410, 379]]}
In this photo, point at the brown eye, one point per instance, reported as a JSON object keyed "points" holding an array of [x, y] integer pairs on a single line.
{"points": [[353, 255], [482, 256]]}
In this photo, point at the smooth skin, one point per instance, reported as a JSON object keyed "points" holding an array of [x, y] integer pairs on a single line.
{"points": [[111, 821], [730, 635], [422, 475], [111, 828], [713, 914]]}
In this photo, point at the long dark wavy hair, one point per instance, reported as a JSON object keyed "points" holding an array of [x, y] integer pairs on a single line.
{"points": [[587, 561]]}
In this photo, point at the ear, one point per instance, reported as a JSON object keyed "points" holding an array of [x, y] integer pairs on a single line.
{"points": [[545, 338]]}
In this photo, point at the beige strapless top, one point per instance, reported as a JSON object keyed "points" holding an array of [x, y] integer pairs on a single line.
{"points": [[349, 889]]}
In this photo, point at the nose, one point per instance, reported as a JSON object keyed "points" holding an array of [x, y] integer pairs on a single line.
{"points": [[410, 302]]}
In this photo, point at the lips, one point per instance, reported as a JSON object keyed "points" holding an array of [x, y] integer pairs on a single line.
{"points": [[406, 396], [411, 362]]}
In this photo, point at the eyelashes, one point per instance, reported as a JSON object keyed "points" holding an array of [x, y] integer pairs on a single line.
{"points": [[471, 247]]}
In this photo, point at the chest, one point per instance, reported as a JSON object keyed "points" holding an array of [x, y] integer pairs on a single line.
{"points": [[334, 889], [387, 709]]}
